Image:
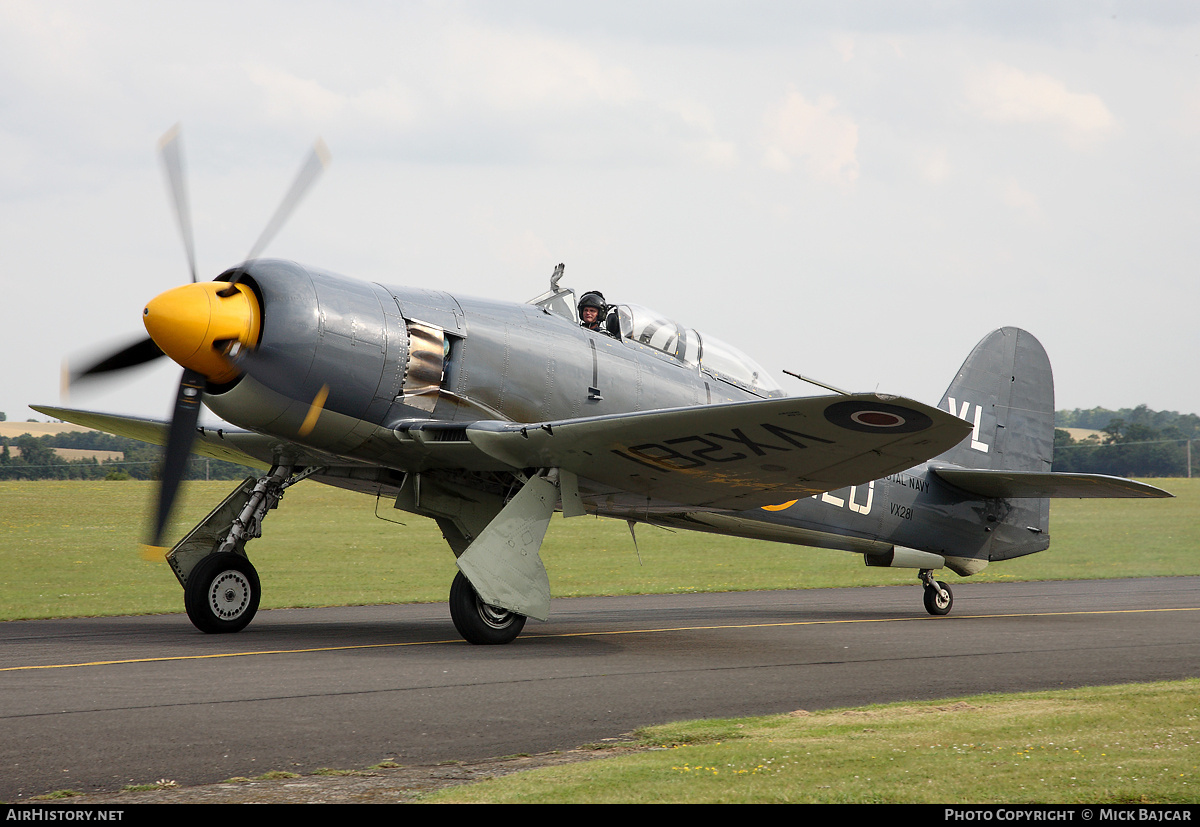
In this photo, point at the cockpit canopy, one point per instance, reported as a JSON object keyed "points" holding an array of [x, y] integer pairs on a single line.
{"points": [[685, 345]]}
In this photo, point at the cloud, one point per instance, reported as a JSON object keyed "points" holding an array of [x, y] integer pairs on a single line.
{"points": [[699, 139], [1004, 94], [815, 136], [1019, 198], [934, 165], [291, 99], [515, 71]]}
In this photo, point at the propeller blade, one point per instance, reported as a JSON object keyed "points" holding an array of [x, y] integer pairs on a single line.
{"points": [[310, 170], [314, 411], [138, 353], [247, 362], [171, 151], [179, 445]]}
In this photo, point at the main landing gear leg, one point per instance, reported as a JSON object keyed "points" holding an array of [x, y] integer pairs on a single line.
{"points": [[220, 586], [938, 598]]}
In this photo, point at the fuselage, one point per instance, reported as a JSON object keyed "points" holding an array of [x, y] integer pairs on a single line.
{"points": [[383, 358], [399, 355]]}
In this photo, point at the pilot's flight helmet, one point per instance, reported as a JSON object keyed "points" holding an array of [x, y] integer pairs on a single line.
{"points": [[593, 298]]}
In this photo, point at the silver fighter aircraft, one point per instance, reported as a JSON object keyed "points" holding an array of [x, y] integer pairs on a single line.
{"points": [[489, 416]]}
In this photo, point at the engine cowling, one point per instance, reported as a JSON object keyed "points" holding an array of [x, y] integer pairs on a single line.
{"points": [[327, 345]]}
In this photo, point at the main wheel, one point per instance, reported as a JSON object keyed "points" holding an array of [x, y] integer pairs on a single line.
{"points": [[222, 593], [937, 604], [479, 622]]}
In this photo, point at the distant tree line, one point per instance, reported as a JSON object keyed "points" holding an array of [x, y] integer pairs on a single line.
{"points": [[1133, 442], [37, 460]]}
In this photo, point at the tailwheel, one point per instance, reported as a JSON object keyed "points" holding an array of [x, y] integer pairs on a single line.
{"points": [[938, 597], [222, 593], [479, 622]]}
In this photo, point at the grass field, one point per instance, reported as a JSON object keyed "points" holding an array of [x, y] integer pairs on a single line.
{"points": [[71, 549]]}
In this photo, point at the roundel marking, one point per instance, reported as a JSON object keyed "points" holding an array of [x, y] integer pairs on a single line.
{"points": [[877, 417]]}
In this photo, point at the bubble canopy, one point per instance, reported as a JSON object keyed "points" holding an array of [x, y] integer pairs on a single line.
{"points": [[711, 355], [706, 353]]}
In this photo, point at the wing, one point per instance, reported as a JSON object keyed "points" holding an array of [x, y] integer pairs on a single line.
{"points": [[389, 448], [1016, 484], [733, 456], [242, 447]]}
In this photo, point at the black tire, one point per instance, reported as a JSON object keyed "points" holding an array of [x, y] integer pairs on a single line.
{"points": [[222, 593], [478, 622], [935, 604]]}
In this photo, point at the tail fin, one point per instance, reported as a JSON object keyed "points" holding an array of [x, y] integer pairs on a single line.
{"points": [[1006, 389]]}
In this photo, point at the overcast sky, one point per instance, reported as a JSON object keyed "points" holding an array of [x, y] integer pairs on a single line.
{"points": [[854, 191]]}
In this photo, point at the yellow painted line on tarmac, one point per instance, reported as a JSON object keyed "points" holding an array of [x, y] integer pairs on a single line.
{"points": [[611, 632], [919, 619], [226, 655]]}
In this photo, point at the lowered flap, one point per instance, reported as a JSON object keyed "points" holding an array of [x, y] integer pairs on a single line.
{"points": [[1016, 484], [733, 456]]}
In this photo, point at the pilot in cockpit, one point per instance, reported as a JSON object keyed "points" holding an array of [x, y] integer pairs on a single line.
{"points": [[591, 310]]}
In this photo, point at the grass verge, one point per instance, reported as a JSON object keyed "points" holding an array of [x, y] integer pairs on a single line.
{"points": [[1132, 744]]}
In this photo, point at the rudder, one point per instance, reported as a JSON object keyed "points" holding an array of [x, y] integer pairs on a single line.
{"points": [[1005, 388]]}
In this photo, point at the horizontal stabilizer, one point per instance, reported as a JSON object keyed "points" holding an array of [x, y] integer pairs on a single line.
{"points": [[1015, 484]]}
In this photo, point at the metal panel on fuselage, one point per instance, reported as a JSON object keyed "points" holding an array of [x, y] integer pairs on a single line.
{"points": [[531, 366], [916, 510], [910, 508]]}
